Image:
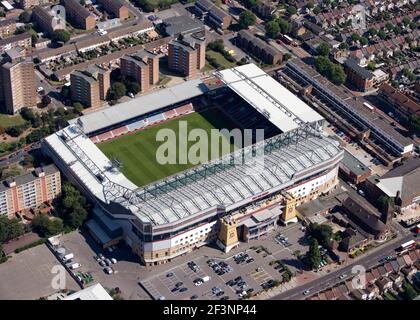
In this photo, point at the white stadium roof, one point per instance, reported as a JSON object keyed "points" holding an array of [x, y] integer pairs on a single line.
{"points": [[285, 110], [139, 106]]}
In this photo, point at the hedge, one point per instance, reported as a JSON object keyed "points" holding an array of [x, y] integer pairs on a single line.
{"points": [[30, 245], [3, 259]]}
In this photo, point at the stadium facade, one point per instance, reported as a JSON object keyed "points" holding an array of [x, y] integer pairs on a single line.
{"points": [[247, 191]]}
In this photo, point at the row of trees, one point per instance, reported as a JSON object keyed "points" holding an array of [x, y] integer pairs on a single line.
{"points": [[276, 26], [334, 72]]}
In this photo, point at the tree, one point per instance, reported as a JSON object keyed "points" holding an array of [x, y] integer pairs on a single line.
{"points": [[272, 29], [323, 49], [27, 160], [83, 2], [10, 228], [313, 255], [414, 124], [117, 91], [336, 74], [316, 10], [286, 56], [25, 17], [373, 32], [343, 46], [285, 26], [363, 41], [355, 37], [47, 227], [291, 10], [382, 35], [72, 206], [371, 66], [413, 25], [322, 64], [250, 4], [246, 19], [78, 107], [409, 292], [322, 233], [133, 87], [397, 30], [61, 36], [46, 100], [389, 26]]}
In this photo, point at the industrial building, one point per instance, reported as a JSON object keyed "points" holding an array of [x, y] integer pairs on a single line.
{"points": [[225, 200]]}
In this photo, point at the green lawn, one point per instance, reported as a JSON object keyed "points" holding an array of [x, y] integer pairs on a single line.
{"points": [[220, 59], [7, 121], [137, 151]]}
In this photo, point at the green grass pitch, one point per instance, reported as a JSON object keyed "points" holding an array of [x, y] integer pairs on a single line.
{"points": [[137, 151]]}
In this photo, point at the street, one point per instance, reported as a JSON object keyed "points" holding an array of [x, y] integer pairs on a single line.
{"points": [[367, 261]]}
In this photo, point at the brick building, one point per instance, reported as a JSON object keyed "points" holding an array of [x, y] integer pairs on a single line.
{"points": [[143, 67]]}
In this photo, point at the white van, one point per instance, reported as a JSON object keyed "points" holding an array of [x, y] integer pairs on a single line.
{"points": [[68, 256], [75, 266], [205, 279]]}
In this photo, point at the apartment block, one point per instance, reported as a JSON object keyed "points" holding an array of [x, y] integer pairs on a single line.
{"points": [[115, 7], [47, 20], [214, 15], [361, 78], [258, 47], [187, 54], [7, 27], [27, 4], [78, 15], [142, 66], [29, 191], [17, 85], [22, 40], [90, 86]]}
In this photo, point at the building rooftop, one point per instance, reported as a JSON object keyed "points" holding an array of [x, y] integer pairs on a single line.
{"points": [[362, 72], [139, 106], [27, 177], [182, 25], [284, 109], [353, 164], [94, 292]]}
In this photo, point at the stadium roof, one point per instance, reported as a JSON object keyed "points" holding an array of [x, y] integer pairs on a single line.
{"points": [[228, 182], [285, 110], [139, 106], [94, 292]]}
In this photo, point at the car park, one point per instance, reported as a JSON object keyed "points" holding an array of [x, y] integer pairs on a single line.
{"points": [[220, 293], [178, 284], [102, 263], [108, 262], [224, 298], [175, 289]]}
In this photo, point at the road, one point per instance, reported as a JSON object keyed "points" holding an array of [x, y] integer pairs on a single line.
{"points": [[368, 261]]}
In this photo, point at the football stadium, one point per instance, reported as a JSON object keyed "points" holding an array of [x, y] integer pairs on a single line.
{"points": [[243, 192]]}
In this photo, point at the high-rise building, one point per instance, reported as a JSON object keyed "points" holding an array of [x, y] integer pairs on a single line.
{"points": [[90, 86], [187, 54], [47, 20], [79, 15], [30, 190], [116, 8], [143, 67], [17, 84]]}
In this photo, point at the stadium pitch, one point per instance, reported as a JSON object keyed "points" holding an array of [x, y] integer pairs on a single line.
{"points": [[137, 151]]}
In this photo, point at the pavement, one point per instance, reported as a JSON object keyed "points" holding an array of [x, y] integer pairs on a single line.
{"points": [[28, 275]]}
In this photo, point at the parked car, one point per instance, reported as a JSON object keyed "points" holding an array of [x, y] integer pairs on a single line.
{"points": [[306, 292], [183, 289], [108, 270], [170, 274], [113, 260], [194, 297], [108, 262], [178, 284], [102, 263]]}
